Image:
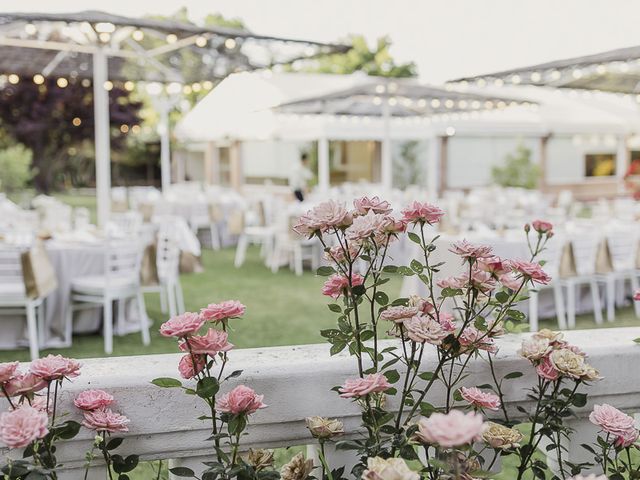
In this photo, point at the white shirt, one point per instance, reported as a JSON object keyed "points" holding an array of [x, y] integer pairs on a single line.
{"points": [[299, 177]]}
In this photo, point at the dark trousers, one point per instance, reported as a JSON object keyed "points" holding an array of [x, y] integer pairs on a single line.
{"points": [[299, 195]]}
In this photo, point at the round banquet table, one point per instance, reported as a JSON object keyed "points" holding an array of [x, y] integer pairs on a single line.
{"points": [[70, 260]]}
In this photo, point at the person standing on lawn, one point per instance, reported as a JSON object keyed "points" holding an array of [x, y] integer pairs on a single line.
{"points": [[300, 177]]}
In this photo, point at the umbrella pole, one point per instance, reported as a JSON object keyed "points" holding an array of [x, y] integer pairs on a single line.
{"points": [[102, 140], [386, 160]]}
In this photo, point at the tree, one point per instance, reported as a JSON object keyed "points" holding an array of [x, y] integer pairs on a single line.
{"points": [[518, 170], [377, 61], [56, 124]]}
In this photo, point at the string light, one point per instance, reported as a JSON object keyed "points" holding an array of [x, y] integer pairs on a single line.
{"points": [[201, 41], [230, 43], [76, 121], [449, 103], [30, 29], [187, 89], [136, 129], [108, 85], [129, 86], [515, 79], [498, 82], [62, 82], [174, 88], [422, 103], [377, 101], [379, 88], [555, 75], [601, 69], [450, 131], [124, 128], [536, 77], [137, 35], [172, 38], [104, 37], [435, 103], [576, 73], [393, 101], [85, 82], [207, 84], [196, 87], [13, 78], [38, 79], [105, 27]]}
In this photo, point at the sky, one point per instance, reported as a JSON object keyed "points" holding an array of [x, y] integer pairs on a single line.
{"points": [[445, 38]]}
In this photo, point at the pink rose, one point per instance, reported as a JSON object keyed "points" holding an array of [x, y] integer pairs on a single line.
{"points": [[214, 342], [359, 387], [611, 420], [542, 226], [337, 284], [447, 321], [393, 225], [450, 430], [493, 265], [398, 314], [105, 420], [327, 215], [93, 400], [218, 312], [39, 402], [480, 399], [241, 399], [364, 205], [472, 338], [417, 212], [425, 330], [510, 281], [186, 368], [467, 250], [547, 370], [636, 295], [452, 282], [182, 325], [7, 371], [24, 383], [55, 367], [366, 226], [530, 271], [627, 439], [481, 281], [20, 427]]}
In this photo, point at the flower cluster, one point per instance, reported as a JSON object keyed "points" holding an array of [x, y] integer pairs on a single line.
{"points": [[619, 427], [22, 426], [97, 414]]}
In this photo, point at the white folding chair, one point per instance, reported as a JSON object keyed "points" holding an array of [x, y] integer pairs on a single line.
{"points": [[14, 300], [119, 282], [585, 250], [552, 256], [125, 224], [262, 234], [295, 249], [200, 218]]}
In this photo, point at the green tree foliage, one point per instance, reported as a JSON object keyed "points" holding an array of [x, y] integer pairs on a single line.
{"points": [[518, 170], [376, 61], [15, 168], [407, 169]]}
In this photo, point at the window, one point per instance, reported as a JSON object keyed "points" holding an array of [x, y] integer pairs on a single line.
{"points": [[600, 164]]}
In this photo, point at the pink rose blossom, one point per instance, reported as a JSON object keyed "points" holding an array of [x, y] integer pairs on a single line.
{"points": [[20, 427], [182, 325], [393, 225], [7, 371], [447, 321], [93, 400], [494, 265], [472, 338], [337, 253], [185, 366], [39, 402], [337, 284], [24, 383], [450, 430], [627, 439], [417, 212], [359, 387], [482, 281], [425, 330], [531, 271], [467, 250], [510, 281], [218, 312], [327, 215], [452, 282], [545, 369], [55, 367], [398, 314], [542, 226], [105, 420], [365, 226], [241, 399], [478, 398], [611, 420], [364, 205], [214, 342], [636, 295]]}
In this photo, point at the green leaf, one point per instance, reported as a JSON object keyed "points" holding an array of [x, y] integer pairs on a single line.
{"points": [[182, 472], [337, 347], [579, 399], [207, 387], [382, 298], [234, 374], [359, 290], [512, 375], [334, 307], [636, 340], [392, 376], [390, 269], [67, 430], [237, 424], [114, 443], [166, 382], [451, 292], [502, 297], [414, 237], [426, 375], [325, 271], [416, 266]]}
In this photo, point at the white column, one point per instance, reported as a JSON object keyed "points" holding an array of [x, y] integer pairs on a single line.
{"points": [[165, 146], [386, 167], [323, 165], [102, 137], [433, 167], [622, 160]]}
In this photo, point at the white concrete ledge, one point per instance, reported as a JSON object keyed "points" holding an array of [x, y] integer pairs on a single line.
{"points": [[296, 383]]}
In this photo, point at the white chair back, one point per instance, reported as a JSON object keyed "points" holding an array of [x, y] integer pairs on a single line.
{"points": [[552, 256], [122, 260], [585, 250], [167, 253], [623, 244], [127, 224], [10, 267]]}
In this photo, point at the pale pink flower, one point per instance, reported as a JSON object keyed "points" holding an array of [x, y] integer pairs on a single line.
{"points": [[542, 226], [359, 387], [452, 282], [218, 312], [636, 296], [480, 399], [24, 383], [186, 368], [494, 265], [93, 400], [364, 205], [472, 338], [55, 367], [510, 281], [482, 281], [611, 420], [7, 371], [327, 215], [591, 476], [534, 348], [547, 370], [627, 439], [214, 342], [39, 402], [337, 253], [241, 399], [425, 330], [392, 225], [467, 250], [417, 212], [530, 271], [424, 306], [182, 325], [447, 321], [20, 427], [105, 420], [337, 284], [450, 430], [399, 313], [365, 226]]}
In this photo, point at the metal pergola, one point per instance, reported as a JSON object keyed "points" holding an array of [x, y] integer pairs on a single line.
{"points": [[99, 48]]}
